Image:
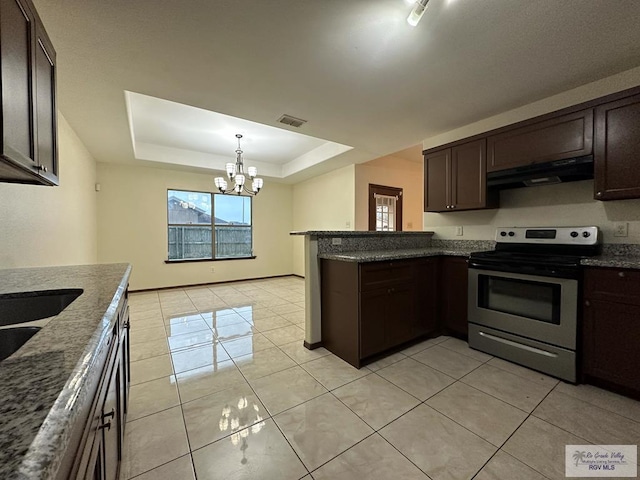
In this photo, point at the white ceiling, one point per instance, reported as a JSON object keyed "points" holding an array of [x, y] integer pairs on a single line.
{"points": [[353, 68]]}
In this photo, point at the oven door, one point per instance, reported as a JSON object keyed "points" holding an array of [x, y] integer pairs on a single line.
{"points": [[535, 307]]}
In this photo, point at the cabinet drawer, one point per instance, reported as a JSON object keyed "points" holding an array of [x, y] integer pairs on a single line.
{"points": [[563, 137], [614, 284], [379, 274]]}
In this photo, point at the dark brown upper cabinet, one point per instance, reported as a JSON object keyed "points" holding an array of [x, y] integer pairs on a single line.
{"points": [[455, 178], [563, 137], [28, 136], [617, 149]]}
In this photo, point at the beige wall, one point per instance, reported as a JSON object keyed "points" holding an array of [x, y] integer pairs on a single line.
{"points": [[392, 172], [43, 226], [569, 204], [326, 202], [564, 204], [132, 206]]}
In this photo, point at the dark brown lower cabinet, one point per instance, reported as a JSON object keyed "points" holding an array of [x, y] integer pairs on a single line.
{"points": [[369, 308], [97, 452], [611, 329], [111, 423], [453, 287], [427, 284]]}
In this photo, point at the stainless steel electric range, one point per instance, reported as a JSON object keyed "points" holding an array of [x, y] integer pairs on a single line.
{"points": [[523, 296]]}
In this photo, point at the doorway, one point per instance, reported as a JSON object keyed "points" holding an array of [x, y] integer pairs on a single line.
{"points": [[385, 208]]}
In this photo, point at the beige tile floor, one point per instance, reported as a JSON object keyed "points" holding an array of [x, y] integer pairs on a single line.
{"points": [[222, 388]]}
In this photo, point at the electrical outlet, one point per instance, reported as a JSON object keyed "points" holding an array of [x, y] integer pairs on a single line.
{"points": [[212, 270], [336, 241], [458, 231], [409, 224], [348, 224], [620, 229]]}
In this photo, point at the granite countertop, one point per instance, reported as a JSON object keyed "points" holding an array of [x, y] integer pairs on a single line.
{"points": [[605, 260], [382, 255], [49, 383], [614, 261], [356, 233]]}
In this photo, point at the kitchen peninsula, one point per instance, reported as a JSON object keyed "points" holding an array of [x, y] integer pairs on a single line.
{"points": [[362, 247]]}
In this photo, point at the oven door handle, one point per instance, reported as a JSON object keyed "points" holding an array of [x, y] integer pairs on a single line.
{"points": [[519, 345]]}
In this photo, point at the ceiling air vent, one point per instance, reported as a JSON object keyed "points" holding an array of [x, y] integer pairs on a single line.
{"points": [[293, 121]]}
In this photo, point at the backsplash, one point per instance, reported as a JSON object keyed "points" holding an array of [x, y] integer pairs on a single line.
{"points": [[467, 245], [368, 242], [562, 205]]}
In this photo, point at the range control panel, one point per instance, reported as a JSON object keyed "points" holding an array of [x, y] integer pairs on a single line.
{"points": [[549, 235]]}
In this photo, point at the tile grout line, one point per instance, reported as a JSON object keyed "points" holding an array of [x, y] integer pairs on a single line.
{"points": [[529, 414], [272, 416], [459, 380], [184, 421]]}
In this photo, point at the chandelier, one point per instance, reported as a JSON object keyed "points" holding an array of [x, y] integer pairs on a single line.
{"points": [[235, 172], [417, 12]]}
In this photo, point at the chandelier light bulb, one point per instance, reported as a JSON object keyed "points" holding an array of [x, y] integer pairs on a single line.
{"points": [[221, 183], [240, 179], [231, 169], [253, 172]]}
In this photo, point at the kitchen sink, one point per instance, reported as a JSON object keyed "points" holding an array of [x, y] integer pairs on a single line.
{"points": [[11, 339], [28, 306]]}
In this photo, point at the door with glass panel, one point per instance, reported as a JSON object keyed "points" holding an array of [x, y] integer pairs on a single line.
{"points": [[385, 208]]}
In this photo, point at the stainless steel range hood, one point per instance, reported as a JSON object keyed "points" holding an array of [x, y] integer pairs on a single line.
{"points": [[570, 170]]}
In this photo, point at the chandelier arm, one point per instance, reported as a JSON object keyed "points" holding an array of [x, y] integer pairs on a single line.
{"points": [[250, 192]]}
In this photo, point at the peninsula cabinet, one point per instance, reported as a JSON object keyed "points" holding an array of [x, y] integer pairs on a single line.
{"points": [[617, 149], [426, 278], [369, 308], [559, 138], [28, 131], [454, 273], [611, 329], [455, 178]]}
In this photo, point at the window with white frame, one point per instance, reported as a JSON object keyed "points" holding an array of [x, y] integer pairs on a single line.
{"points": [[385, 212]]}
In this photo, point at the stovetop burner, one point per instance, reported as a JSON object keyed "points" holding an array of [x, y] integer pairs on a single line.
{"points": [[524, 257], [552, 251]]}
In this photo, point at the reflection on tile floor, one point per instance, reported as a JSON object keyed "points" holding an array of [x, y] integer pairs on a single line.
{"points": [[222, 388]]}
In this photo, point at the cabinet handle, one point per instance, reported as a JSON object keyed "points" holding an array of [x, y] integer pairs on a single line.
{"points": [[105, 425], [453, 206], [111, 414], [126, 325], [621, 274], [599, 194], [587, 303], [41, 168]]}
